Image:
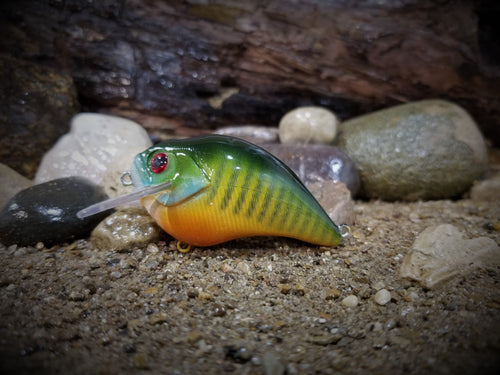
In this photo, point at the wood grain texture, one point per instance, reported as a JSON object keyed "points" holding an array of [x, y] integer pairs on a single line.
{"points": [[204, 64]]}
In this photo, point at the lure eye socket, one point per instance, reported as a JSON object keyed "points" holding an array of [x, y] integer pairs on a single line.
{"points": [[159, 162]]}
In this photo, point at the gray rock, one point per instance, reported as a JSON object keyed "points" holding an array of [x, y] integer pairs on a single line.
{"points": [[441, 252], [11, 183], [125, 229], [47, 212], [318, 163], [99, 147], [424, 150]]}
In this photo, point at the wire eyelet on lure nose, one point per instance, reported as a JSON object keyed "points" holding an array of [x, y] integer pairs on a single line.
{"points": [[126, 179]]}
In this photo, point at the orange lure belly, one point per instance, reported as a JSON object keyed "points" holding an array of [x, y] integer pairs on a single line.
{"points": [[199, 221]]}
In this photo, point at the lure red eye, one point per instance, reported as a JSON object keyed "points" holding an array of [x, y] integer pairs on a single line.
{"points": [[159, 162]]}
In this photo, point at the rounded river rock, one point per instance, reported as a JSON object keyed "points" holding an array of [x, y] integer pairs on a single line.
{"points": [[126, 228], [318, 163], [430, 149], [303, 125]]}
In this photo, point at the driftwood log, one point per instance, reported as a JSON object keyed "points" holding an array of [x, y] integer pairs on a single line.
{"points": [[206, 63]]}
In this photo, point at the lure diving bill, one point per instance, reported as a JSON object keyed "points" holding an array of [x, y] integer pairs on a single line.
{"points": [[218, 188]]}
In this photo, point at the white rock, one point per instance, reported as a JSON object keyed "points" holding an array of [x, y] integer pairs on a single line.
{"points": [[350, 301], [308, 125], [99, 147], [441, 252], [11, 183], [252, 133], [382, 297]]}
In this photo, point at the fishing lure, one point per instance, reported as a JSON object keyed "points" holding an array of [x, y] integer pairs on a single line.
{"points": [[211, 189]]}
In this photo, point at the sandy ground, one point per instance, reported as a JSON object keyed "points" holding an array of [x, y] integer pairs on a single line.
{"points": [[254, 306]]}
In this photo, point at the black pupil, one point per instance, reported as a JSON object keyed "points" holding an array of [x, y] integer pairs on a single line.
{"points": [[159, 163]]}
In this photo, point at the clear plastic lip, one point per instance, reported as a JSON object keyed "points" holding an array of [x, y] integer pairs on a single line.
{"points": [[122, 200]]}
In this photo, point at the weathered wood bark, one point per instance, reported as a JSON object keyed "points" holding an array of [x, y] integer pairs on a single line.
{"points": [[208, 63]]}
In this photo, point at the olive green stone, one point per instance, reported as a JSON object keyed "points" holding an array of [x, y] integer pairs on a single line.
{"points": [[430, 149]]}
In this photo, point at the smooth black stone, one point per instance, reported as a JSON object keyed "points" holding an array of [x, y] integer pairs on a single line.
{"points": [[47, 212]]}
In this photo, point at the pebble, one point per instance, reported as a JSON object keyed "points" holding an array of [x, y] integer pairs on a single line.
{"points": [[442, 252], [11, 183], [218, 310], [375, 327], [430, 149], [243, 267], [125, 229], [152, 248], [350, 301], [47, 212], [382, 297], [193, 293], [77, 295], [378, 285], [487, 190], [304, 125], [327, 339], [272, 364], [158, 318], [20, 252], [99, 147], [335, 199], [285, 288], [379, 342], [238, 354], [205, 296], [127, 263], [252, 133], [332, 294], [299, 289], [493, 226], [318, 163]]}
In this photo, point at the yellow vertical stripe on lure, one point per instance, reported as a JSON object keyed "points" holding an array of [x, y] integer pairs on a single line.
{"points": [[224, 188]]}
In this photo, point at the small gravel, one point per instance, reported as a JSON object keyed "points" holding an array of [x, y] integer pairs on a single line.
{"points": [[254, 306], [382, 297], [350, 301]]}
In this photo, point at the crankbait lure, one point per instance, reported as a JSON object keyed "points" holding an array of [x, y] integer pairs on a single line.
{"points": [[217, 188]]}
